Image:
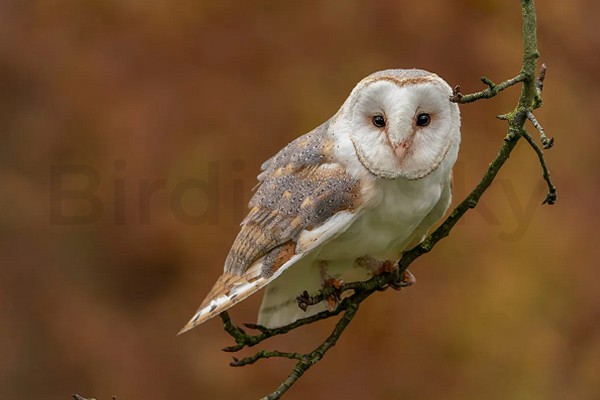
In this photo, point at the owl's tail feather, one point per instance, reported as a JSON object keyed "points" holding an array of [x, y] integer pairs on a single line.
{"points": [[227, 291], [231, 289]]}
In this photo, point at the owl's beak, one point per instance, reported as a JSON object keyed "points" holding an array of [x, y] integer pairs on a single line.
{"points": [[401, 149]]}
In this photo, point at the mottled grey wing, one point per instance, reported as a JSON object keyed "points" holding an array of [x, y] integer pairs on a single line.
{"points": [[300, 188]]}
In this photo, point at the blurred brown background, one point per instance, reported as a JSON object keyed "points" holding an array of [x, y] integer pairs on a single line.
{"points": [[184, 101]]}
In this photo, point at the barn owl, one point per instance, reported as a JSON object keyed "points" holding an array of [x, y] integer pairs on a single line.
{"points": [[339, 201]]}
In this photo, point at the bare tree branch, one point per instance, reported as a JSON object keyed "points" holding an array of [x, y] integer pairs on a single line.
{"points": [[529, 100]]}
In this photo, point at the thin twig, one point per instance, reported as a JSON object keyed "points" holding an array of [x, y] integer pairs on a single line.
{"points": [[264, 354], [539, 83], [552, 195], [491, 91], [547, 142]]}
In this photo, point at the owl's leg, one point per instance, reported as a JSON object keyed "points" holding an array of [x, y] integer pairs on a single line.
{"points": [[336, 283], [379, 267]]}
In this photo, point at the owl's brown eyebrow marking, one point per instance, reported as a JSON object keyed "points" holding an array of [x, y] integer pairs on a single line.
{"points": [[405, 81], [400, 82]]}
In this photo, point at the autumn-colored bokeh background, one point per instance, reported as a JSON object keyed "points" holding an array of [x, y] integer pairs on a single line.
{"points": [[173, 106]]}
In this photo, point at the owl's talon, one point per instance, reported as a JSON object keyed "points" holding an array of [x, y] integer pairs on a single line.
{"points": [[304, 300], [408, 279]]}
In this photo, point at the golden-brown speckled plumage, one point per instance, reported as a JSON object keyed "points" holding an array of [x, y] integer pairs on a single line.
{"points": [[300, 188]]}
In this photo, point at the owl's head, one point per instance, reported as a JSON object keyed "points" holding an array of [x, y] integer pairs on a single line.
{"points": [[401, 122]]}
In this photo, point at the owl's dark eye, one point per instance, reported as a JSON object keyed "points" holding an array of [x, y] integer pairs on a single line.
{"points": [[379, 121], [423, 119]]}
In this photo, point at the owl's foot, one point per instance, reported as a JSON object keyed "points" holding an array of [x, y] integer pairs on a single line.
{"points": [[389, 267], [332, 300], [408, 279]]}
